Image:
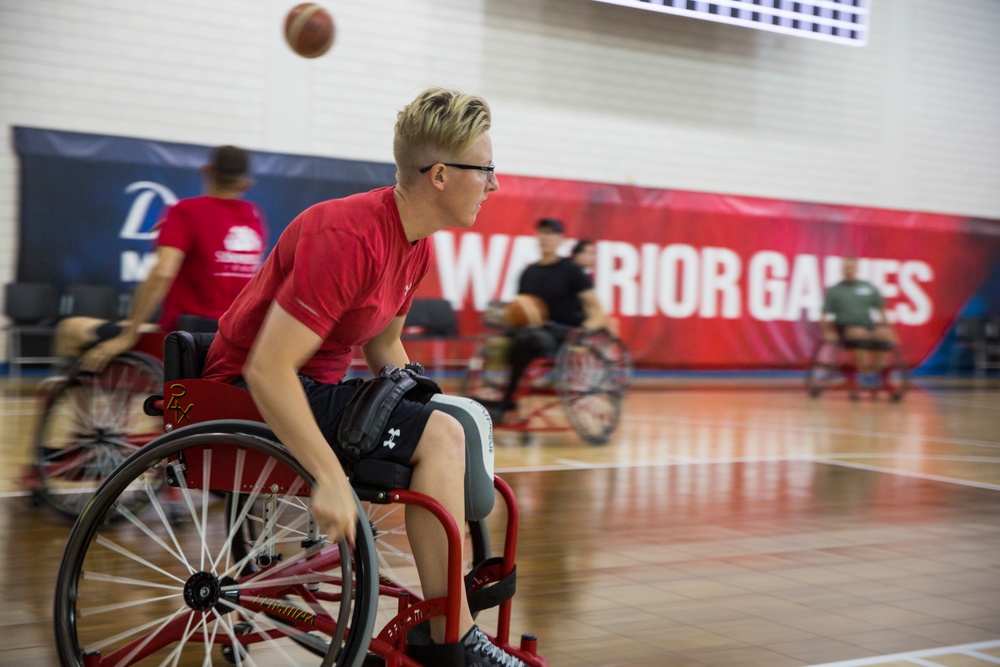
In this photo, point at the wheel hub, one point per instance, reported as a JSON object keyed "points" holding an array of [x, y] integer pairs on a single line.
{"points": [[203, 591]]}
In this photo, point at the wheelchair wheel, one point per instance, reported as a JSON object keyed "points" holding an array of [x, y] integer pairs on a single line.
{"points": [[824, 368], [181, 594], [592, 374], [90, 424]]}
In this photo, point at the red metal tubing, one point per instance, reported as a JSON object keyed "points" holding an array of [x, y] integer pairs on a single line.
{"points": [[453, 601], [509, 553]]}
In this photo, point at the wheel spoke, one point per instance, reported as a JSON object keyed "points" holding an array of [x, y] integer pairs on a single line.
{"points": [[91, 575], [163, 621], [175, 655], [103, 609], [165, 522], [105, 542], [287, 630]]}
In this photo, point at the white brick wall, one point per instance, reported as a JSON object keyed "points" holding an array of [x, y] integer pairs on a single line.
{"points": [[580, 90]]}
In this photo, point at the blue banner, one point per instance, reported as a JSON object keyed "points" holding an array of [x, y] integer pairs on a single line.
{"points": [[89, 201]]}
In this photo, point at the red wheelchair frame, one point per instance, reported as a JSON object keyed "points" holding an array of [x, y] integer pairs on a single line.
{"points": [[832, 366], [200, 410]]}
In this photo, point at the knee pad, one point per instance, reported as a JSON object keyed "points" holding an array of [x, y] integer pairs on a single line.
{"points": [[478, 429]]}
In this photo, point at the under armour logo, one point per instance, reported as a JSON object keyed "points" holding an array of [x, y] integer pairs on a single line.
{"points": [[393, 434]]}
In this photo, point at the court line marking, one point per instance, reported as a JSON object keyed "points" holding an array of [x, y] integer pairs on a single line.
{"points": [[818, 429], [916, 656], [916, 475], [571, 464]]}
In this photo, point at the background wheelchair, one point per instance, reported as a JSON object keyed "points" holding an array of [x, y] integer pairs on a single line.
{"points": [[90, 423], [832, 365], [247, 578], [587, 377]]}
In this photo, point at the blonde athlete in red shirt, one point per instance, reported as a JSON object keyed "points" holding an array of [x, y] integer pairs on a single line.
{"points": [[342, 274]]}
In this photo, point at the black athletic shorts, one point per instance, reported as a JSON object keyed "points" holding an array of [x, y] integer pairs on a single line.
{"points": [[402, 432], [861, 344]]}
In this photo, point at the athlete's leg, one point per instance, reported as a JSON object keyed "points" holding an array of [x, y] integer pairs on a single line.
{"points": [[885, 340], [75, 334], [439, 472]]}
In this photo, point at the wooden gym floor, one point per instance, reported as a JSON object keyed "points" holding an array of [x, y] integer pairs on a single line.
{"points": [[726, 524]]}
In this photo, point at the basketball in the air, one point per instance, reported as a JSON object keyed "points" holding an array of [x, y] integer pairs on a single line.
{"points": [[309, 30], [525, 311]]}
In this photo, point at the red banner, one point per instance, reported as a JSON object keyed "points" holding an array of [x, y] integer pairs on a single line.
{"points": [[713, 281]]}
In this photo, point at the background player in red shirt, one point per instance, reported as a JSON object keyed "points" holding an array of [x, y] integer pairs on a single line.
{"points": [[343, 274], [208, 248]]}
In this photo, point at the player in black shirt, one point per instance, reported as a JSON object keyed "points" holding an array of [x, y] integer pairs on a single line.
{"points": [[569, 294]]}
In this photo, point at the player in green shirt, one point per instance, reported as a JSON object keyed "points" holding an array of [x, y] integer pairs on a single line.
{"points": [[851, 303]]}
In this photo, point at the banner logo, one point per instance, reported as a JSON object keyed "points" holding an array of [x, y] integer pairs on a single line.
{"points": [[138, 214]]}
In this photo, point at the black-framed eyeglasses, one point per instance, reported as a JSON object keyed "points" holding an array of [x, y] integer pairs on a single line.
{"points": [[489, 170]]}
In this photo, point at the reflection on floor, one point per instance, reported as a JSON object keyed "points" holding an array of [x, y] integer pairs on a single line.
{"points": [[723, 525]]}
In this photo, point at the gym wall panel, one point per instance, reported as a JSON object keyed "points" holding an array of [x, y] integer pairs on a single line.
{"points": [[580, 90]]}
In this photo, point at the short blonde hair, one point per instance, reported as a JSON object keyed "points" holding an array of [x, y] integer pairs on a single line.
{"points": [[438, 125]]}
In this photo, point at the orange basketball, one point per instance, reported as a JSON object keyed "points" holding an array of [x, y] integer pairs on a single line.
{"points": [[309, 30], [525, 310]]}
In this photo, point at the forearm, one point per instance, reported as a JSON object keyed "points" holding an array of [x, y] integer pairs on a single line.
{"points": [[594, 316], [145, 301], [595, 321], [378, 355]]}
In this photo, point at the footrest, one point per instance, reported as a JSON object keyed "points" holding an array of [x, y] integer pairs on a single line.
{"points": [[486, 586]]}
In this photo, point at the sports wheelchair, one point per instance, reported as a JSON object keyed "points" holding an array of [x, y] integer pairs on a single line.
{"points": [[832, 365], [246, 578], [90, 423], [587, 376]]}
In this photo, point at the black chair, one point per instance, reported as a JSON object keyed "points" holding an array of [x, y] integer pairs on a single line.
{"points": [[987, 348], [432, 320], [33, 309], [968, 331], [100, 301]]}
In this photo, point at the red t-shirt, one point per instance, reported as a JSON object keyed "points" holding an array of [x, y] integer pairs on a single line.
{"points": [[223, 244], [343, 268]]}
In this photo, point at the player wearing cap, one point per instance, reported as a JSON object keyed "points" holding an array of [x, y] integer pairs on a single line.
{"points": [[572, 303]]}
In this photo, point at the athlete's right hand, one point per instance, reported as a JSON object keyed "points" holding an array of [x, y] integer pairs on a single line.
{"points": [[333, 508]]}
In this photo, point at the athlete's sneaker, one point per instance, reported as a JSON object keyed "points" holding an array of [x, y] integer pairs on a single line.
{"points": [[481, 652]]}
